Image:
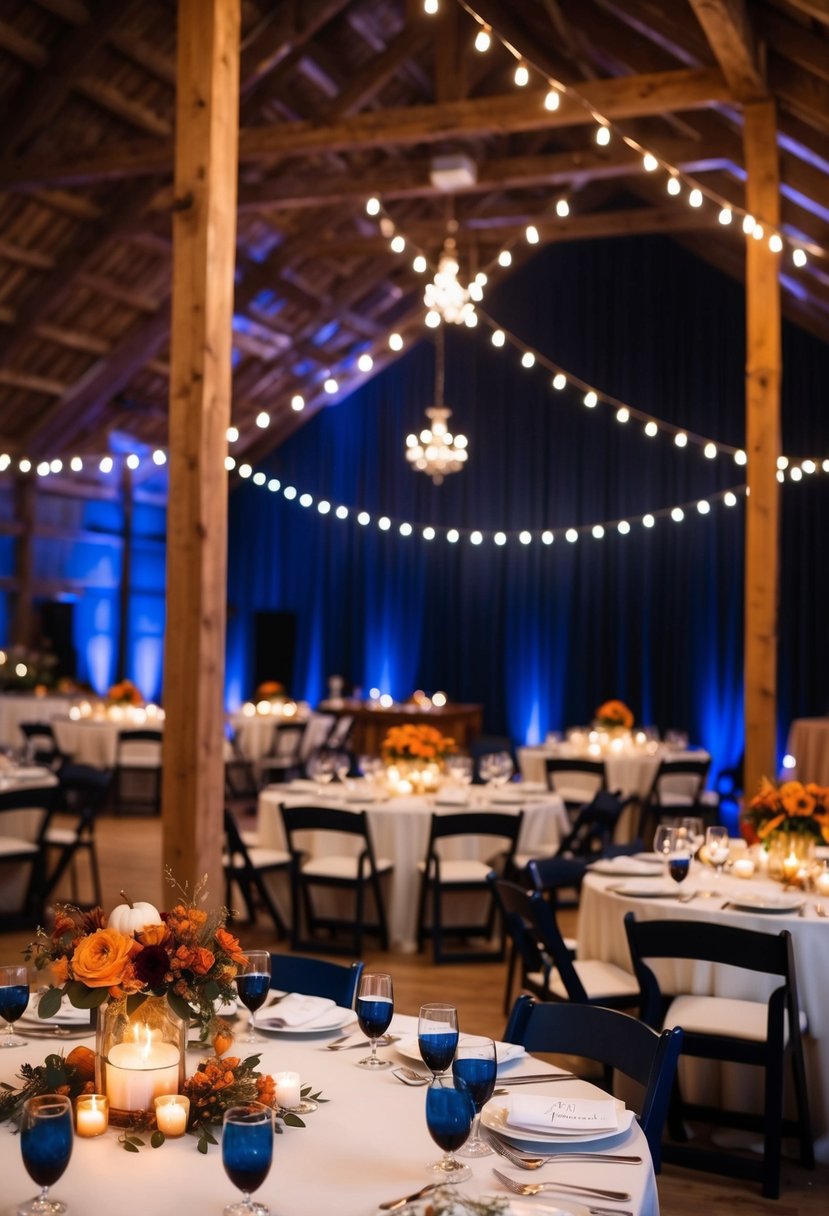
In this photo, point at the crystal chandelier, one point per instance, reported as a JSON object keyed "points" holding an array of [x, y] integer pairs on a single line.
{"points": [[446, 298], [436, 451]]}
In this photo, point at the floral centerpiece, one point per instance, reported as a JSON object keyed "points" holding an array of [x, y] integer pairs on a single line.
{"points": [[790, 809], [124, 693], [269, 690], [613, 715], [185, 955], [414, 756]]}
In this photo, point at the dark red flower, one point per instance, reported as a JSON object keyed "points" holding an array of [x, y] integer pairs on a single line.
{"points": [[151, 966]]}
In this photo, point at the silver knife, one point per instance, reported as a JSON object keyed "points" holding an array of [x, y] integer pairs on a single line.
{"points": [[529, 1078]]}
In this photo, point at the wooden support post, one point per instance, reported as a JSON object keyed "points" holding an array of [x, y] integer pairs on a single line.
{"points": [[24, 509], [125, 590], [204, 236], [763, 369]]}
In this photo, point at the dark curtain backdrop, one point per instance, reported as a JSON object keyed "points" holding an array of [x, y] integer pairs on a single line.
{"points": [[540, 635]]}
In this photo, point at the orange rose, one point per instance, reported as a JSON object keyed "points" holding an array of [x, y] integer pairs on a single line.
{"points": [[153, 935], [101, 960], [229, 945], [60, 971], [203, 960]]}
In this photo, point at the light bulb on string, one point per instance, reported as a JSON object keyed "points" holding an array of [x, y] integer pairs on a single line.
{"points": [[532, 234], [776, 243], [373, 206], [725, 216], [483, 40], [799, 257], [649, 162], [562, 208], [552, 101], [695, 197], [505, 258], [603, 135], [522, 75], [674, 186]]}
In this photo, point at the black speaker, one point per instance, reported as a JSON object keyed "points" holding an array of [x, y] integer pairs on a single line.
{"points": [[274, 644], [56, 622]]}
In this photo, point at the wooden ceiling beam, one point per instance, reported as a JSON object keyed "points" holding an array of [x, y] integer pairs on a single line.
{"points": [[628, 97], [285, 29], [819, 9], [730, 35], [791, 40]]}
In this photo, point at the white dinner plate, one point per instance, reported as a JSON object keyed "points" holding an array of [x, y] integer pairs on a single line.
{"points": [[625, 867], [494, 1117], [515, 1207], [506, 1052], [766, 903], [508, 796], [653, 858], [330, 1019], [643, 890], [67, 1015]]}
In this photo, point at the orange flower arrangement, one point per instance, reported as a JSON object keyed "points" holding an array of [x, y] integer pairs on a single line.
{"points": [[410, 742], [268, 689], [791, 807], [613, 714], [188, 956], [124, 693]]}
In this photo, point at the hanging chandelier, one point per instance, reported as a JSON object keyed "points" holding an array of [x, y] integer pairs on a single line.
{"points": [[446, 298], [436, 451]]}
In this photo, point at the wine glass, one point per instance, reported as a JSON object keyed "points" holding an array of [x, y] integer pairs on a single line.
{"points": [[374, 1009], [716, 846], [476, 1064], [341, 762], [253, 982], [46, 1146], [679, 862], [459, 769], [247, 1153], [320, 768], [664, 841], [449, 1114], [437, 1035], [694, 832], [502, 768], [14, 997]]}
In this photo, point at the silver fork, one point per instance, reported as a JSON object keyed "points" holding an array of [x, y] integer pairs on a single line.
{"points": [[565, 1188], [535, 1163]]}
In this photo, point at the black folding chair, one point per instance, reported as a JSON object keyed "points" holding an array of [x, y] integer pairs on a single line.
{"points": [[613, 1039], [576, 781], [24, 820], [767, 1033], [247, 867], [316, 977], [83, 793]]}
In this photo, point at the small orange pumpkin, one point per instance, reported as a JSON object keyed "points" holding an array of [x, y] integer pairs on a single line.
{"points": [[222, 1039], [83, 1061]]}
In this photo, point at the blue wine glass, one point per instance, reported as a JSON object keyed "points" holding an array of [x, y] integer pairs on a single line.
{"points": [[437, 1036], [46, 1146], [247, 1153], [476, 1063], [374, 1009], [253, 984], [449, 1115], [14, 997]]}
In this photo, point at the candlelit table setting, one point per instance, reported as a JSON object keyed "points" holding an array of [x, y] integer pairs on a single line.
{"points": [[399, 826]]}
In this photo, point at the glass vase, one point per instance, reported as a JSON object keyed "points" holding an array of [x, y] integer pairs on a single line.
{"points": [[139, 1055]]}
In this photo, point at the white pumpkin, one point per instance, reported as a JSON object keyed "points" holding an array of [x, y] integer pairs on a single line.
{"points": [[132, 918]]}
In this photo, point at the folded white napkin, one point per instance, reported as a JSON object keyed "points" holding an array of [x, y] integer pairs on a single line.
{"points": [[295, 1009], [537, 1112], [452, 796]]}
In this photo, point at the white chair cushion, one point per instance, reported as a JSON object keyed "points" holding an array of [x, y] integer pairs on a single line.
{"points": [[460, 871], [725, 1016], [576, 793], [266, 858], [335, 866], [9, 845], [599, 979], [251, 839], [61, 836]]}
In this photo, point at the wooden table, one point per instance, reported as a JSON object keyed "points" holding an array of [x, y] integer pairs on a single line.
{"points": [[460, 722]]}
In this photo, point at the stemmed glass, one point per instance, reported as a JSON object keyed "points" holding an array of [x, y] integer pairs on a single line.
{"points": [[375, 1009], [247, 1153], [694, 832], [253, 984], [459, 769], [496, 768], [716, 846], [476, 1064], [46, 1146], [664, 842], [14, 997], [679, 862], [320, 768], [449, 1114], [341, 762], [437, 1036]]}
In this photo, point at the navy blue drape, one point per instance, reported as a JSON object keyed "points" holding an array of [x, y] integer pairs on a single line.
{"points": [[541, 634]]}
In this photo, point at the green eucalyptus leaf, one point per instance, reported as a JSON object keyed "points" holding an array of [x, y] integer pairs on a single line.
{"points": [[202, 1146], [211, 990], [179, 1005], [85, 998], [292, 1120], [49, 1003], [157, 1139], [130, 1147]]}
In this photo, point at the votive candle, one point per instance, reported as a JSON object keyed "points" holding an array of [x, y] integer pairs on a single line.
{"points": [[743, 867], [791, 865], [171, 1114], [287, 1087], [91, 1115], [822, 883]]}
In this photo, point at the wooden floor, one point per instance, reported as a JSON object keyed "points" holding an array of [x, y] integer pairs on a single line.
{"points": [[130, 854]]}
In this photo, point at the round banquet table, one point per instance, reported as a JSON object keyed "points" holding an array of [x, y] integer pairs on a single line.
{"points": [[808, 742], [255, 734], [17, 707], [601, 935], [400, 832], [368, 1143], [94, 741]]}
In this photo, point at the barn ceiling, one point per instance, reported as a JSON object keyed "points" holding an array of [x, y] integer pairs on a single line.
{"points": [[343, 100]]}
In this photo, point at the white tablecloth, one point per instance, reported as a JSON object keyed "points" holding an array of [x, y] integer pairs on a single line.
{"points": [[367, 1144], [95, 740], [601, 935], [26, 707], [400, 832]]}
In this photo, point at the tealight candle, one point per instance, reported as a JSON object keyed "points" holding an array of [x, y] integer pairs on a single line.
{"points": [[91, 1115], [287, 1088], [822, 883], [743, 867], [171, 1114], [791, 865]]}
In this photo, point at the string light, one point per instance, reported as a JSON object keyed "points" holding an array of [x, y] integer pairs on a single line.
{"points": [[603, 135], [649, 162], [552, 100], [430, 7], [297, 402], [522, 75], [483, 40], [562, 208]]}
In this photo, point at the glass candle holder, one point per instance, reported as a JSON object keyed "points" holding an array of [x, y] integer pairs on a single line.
{"points": [[172, 1112], [91, 1115]]}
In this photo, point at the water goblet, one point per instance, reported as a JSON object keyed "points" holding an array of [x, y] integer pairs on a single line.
{"points": [[437, 1035], [694, 832], [46, 1146], [502, 768], [664, 841], [374, 1008], [14, 997], [716, 846], [253, 983], [459, 769], [679, 862], [449, 1115], [320, 768], [247, 1153], [476, 1064]]}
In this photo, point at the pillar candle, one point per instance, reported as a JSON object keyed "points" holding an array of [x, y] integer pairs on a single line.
{"points": [[138, 1072]]}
